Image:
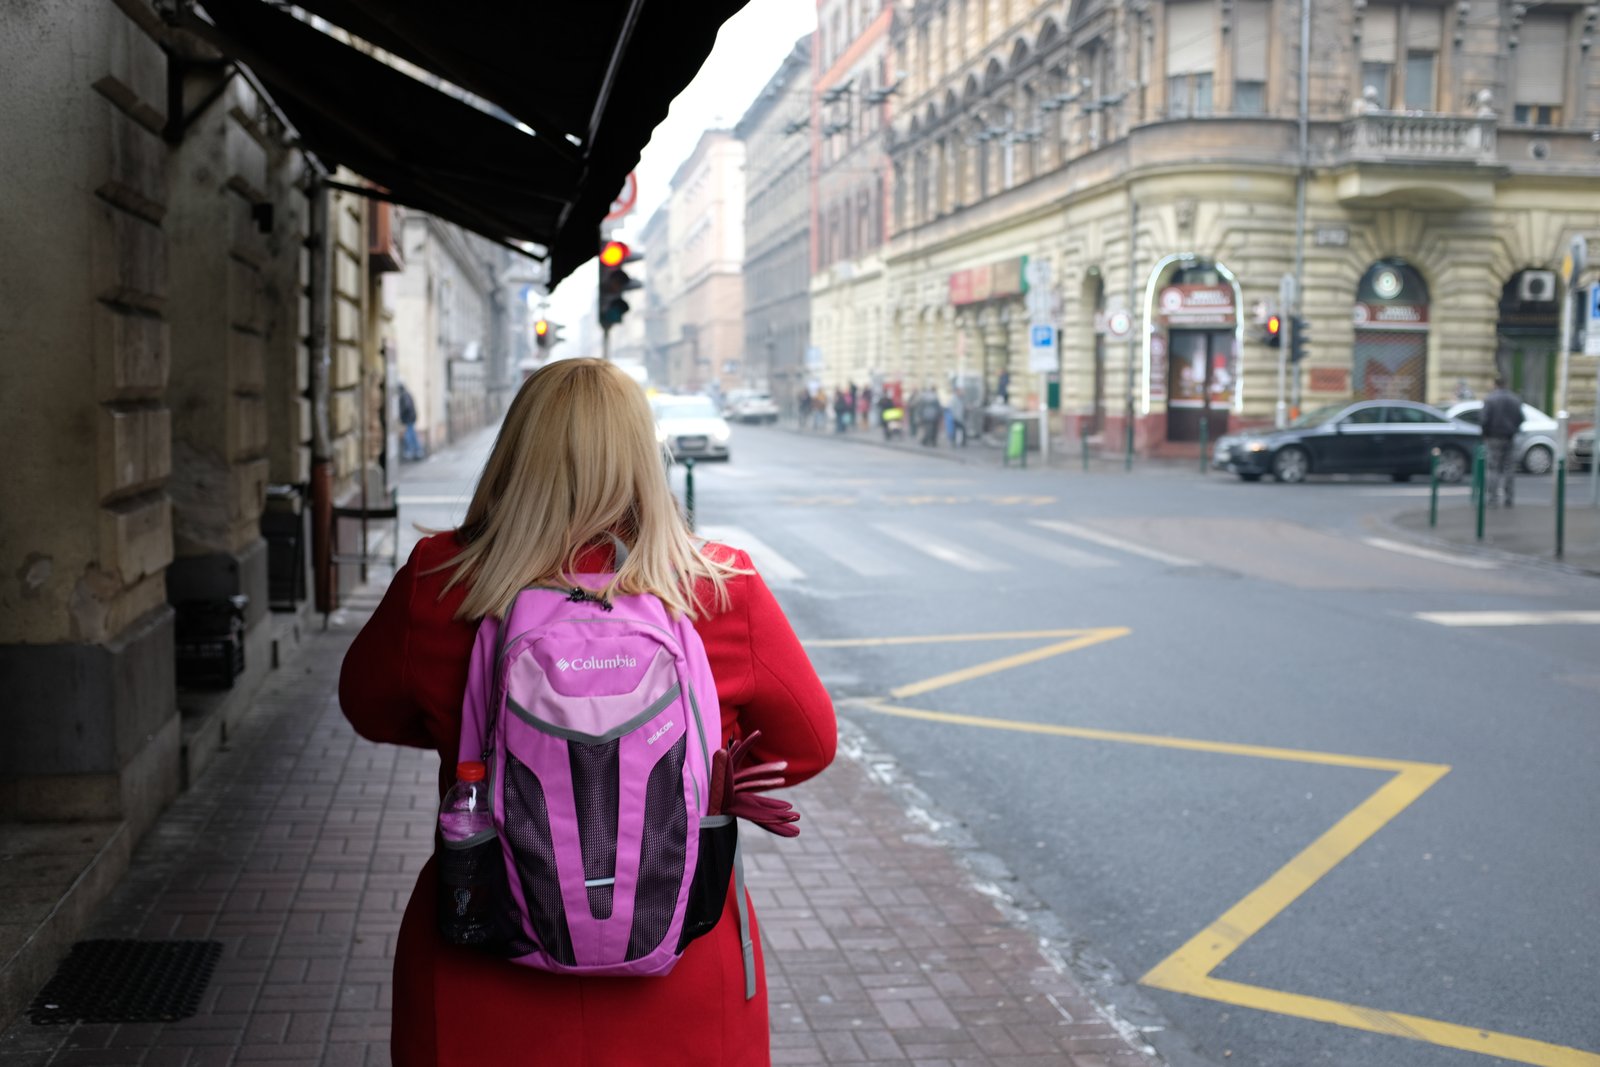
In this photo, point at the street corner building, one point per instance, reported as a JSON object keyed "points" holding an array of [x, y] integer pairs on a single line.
{"points": [[1399, 180], [232, 229]]}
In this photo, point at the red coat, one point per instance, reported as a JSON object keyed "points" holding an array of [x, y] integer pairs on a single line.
{"points": [[403, 681]]}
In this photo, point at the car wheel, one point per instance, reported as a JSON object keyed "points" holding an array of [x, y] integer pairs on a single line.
{"points": [[1452, 466], [1538, 460], [1291, 465], [1250, 477]]}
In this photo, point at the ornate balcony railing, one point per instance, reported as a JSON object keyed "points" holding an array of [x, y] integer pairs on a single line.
{"points": [[1383, 136]]}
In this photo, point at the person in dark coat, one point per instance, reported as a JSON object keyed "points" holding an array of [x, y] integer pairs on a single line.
{"points": [[1502, 421], [410, 447], [405, 675]]}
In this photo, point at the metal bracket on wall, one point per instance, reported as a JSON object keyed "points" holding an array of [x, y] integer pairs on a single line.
{"points": [[178, 69]]}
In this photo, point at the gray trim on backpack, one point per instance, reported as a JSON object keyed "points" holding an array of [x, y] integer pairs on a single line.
{"points": [[659, 705], [699, 725]]}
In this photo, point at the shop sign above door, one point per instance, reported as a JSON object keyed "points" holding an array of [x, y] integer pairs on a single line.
{"points": [[992, 281], [1197, 305], [1390, 316]]}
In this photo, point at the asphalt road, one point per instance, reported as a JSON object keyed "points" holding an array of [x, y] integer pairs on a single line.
{"points": [[1204, 724]]}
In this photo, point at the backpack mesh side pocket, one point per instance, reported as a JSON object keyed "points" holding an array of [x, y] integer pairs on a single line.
{"points": [[712, 870], [662, 854], [595, 788], [528, 829]]}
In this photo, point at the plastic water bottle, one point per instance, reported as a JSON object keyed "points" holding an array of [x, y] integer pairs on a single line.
{"points": [[468, 859]]}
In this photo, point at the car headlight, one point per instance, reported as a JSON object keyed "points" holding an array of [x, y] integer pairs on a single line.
{"points": [[720, 435], [1255, 444]]}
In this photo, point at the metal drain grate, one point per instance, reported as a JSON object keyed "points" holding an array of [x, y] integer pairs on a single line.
{"points": [[127, 982]]}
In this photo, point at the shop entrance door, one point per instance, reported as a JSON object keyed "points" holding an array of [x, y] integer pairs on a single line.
{"points": [[1528, 363], [1099, 424], [1199, 382]]}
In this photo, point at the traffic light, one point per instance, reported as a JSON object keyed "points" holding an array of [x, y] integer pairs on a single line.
{"points": [[1299, 344], [614, 282], [1272, 330], [541, 331]]}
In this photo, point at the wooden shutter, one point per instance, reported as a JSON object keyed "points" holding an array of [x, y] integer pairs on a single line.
{"points": [[1252, 22], [1191, 36], [1379, 33], [1542, 60]]}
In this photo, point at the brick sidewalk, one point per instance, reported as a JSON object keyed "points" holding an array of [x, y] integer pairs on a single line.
{"points": [[298, 849]]}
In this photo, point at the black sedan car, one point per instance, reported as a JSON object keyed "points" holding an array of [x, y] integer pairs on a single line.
{"points": [[1393, 437]]}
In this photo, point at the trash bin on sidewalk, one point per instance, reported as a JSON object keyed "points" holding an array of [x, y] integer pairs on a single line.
{"points": [[209, 641], [283, 527]]}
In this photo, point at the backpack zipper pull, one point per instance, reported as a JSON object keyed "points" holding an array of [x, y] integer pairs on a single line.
{"points": [[578, 595]]}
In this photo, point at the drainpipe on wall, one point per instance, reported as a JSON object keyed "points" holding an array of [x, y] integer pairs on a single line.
{"points": [[317, 346]]}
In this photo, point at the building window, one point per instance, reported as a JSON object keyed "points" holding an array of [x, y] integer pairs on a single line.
{"points": [[1375, 83], [1539, 89], [1191, 56], [1189, 96], [1252, 29], [1420, 81]]}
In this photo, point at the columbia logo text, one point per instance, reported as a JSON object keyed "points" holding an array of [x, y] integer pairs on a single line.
{"points": [[596, 663]]}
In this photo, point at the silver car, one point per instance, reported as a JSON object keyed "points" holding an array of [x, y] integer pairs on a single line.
{"points": [[1535, 443]]}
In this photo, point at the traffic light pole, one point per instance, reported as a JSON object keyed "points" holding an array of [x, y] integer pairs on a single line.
{"points": [[605, 343]]}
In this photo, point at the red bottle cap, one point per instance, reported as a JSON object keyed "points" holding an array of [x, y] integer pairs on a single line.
{"points": [[470, 771]]}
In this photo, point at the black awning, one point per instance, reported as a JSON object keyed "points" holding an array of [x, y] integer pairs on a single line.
{"points": [[590, 80]]}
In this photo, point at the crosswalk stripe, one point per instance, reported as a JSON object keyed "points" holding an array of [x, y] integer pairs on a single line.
{"points": [[1428, 553], [848, 550], [1038, 546], [941, 549], [1083, 533], [1511, 618], [773, 566]]}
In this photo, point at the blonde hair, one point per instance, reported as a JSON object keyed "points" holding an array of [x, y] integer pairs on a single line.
{"points": [[576, 460]]}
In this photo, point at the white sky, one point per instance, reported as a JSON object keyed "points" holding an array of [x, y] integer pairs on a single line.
{"points": [[748, 51]]}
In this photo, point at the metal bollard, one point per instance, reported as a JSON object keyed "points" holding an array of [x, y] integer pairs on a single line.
{"points": [[1083, 434], [1479, 467], [1433, 489], [1205, 429], [1561, 504], [688, 490]]}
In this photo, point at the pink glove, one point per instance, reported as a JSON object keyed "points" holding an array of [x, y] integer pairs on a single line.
{"points": [[736, 789]]}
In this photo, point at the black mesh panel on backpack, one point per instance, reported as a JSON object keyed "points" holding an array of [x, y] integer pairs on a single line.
{"points": [[662, 854], [594, 786], [528, 830]]}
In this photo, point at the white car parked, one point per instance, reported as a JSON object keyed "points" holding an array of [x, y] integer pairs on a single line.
{"points": [[691, 427], [1535, 443]]}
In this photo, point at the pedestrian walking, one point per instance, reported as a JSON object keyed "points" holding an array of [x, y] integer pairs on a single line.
{"points": [[410, 447], [957, 415], [930, 417], [1003, 388], [802, 407], [1502, 421], [573, 486]]}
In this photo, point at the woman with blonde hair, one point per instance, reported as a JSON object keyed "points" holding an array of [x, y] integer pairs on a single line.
{"points": [[575, 485]]}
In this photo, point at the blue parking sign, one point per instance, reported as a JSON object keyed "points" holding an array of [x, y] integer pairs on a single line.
{"points": [[1044, 336]]}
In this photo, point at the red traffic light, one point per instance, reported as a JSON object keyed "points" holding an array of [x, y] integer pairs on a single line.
{"points": [[541, 327], [613, 253]]}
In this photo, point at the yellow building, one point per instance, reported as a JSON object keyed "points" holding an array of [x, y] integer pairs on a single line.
{"points": [[1152, 155]]}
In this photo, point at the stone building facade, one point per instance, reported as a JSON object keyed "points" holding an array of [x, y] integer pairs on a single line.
{"points": [[777, 262], [855, 85], [188, 313], [1150, 154], [700, 275]]}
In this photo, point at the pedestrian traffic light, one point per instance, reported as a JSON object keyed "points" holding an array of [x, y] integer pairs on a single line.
{"points": [[1272, 330], [1299, 343], [614, 282]]}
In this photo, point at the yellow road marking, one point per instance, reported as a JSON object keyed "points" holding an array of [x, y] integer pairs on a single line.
{"points": [[1188, 970], [939, 639], [966, 674]]}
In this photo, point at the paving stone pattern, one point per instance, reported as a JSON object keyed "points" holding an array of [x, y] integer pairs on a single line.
{"points": [[299, 847]]}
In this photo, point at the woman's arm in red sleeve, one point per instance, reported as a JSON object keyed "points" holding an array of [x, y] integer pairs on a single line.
{"points": [[787, 702], [375, 686]]}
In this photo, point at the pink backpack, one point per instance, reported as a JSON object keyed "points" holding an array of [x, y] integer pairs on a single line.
{"points": [[597, 722]]}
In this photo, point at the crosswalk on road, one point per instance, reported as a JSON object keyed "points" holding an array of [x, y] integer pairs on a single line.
{"points": [[811, 553]]}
